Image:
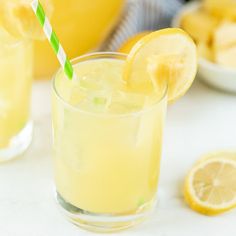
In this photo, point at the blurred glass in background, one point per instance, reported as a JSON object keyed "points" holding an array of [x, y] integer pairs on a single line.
{"points": [[16, 69]]}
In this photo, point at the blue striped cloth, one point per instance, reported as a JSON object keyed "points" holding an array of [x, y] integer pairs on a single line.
{"points": [[142, 15]]}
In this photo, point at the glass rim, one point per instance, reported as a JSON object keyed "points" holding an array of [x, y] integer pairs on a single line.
{"points": [[97, 55]]}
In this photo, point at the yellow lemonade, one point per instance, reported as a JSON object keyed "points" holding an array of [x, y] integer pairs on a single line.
{"points": [[107, 139], [16, 68]]}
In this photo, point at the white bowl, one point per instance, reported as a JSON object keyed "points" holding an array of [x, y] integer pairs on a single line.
{"points": [[220, 77]]}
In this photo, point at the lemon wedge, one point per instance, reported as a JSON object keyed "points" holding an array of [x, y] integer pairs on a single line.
{"points": [[165, 55], [18, 18], [210, 187]]}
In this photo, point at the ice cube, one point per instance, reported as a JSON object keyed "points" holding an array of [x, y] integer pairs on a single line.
{"points": [[124, 102], [97, 101], [89, 83]]}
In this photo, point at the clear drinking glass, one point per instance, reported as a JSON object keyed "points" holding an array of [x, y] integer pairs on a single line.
{"points": [[106, 165], [16, 65]]}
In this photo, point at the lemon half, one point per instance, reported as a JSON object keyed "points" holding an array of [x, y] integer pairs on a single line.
{"points": [[127, 45], [210, 187]]}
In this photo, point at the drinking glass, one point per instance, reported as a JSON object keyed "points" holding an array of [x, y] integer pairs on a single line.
{"points": [[106, 165], [16, 67]]}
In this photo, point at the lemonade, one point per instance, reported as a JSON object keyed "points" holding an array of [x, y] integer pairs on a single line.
{"points": [[15, 90], [107, 141]]}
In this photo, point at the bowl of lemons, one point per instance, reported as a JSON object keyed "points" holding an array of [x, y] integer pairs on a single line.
{"points": [[212, 25]]}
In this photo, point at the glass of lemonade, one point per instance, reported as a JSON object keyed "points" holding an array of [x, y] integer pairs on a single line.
{"points": [[107, 144], [16, 65]]}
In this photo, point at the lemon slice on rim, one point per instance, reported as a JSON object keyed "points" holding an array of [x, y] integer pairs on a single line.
{"points": [[210, 187], [164, 55], [18, 18]]}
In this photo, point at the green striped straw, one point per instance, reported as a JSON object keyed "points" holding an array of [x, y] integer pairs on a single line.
{"points": [[53, 39]]}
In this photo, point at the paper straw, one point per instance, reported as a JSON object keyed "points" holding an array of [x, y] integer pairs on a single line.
{"points": [[53, 39]]}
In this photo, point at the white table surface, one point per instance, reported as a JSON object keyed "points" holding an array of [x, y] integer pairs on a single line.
{"points": [[202, 121]]}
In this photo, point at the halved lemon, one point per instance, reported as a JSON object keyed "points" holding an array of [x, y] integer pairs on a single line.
{"points": [[165, 55], [18, 18], [210, 187], [127, 45]]}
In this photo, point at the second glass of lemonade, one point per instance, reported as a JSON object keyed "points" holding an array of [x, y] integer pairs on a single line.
{"points": [[16, 68], [107, 144]]}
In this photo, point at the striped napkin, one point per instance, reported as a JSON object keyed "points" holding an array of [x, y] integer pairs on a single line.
{"points": [[142, 15]]}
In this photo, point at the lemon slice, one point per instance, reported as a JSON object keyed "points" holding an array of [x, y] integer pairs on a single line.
{"points": [[18, 18], [210, 187], [165, 55]]}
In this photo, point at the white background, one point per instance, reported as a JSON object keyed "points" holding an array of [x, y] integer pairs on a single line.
{"points": [[204, 120]]}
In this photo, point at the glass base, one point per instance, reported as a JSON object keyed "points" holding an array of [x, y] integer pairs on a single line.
{"points": [[104, 223], [18, 144]]}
